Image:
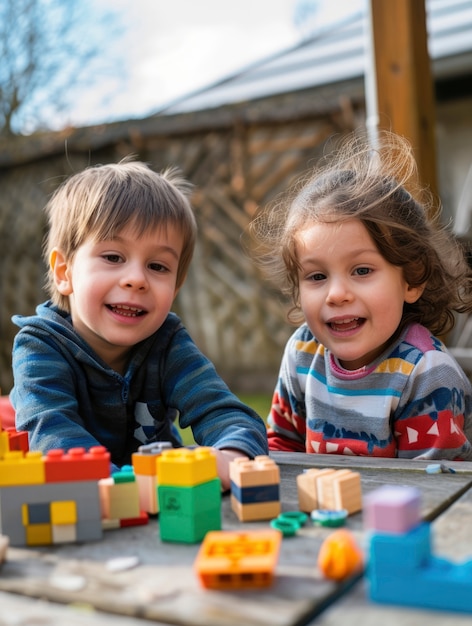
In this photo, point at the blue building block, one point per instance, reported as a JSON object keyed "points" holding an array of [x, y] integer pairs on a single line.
{"points": [[402, 570]]}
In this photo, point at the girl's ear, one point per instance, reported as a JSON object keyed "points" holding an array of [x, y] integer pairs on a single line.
{"points": [[61, 272], [412, 294]]}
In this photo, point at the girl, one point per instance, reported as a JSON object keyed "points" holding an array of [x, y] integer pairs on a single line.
{"points": [[376, 280]]}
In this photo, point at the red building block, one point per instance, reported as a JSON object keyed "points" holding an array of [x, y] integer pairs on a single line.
{"points": [[77, 464]]}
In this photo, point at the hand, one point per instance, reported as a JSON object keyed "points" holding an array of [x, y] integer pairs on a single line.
{"points": [[223, 459]]}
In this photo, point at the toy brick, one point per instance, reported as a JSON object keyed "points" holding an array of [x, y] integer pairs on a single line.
{"points": [[402, 571], [118, 500], [188, 513], [77, 464], [393, 509], [4, 444], [260, 471], [141, 520], [17, 440], [186, 468], [308, 490], [258, 494], [64, 512], [340, 490], [231, 560], [38, 513], [38, 535], [189, 501], [17, 469], [253, 512], [188, 529], [145, 459], [147, 490], [125, 475], [63, 533], [84, 493], [4, 542]]}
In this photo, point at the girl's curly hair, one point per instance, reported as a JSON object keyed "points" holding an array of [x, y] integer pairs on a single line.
{"points": [[379, 188]]}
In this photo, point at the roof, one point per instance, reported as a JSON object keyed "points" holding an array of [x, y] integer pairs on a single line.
{"points": [[335, 55]]}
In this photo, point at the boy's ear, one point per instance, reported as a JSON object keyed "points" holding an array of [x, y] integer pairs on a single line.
{"points": [[412, 294], [61, 272]]}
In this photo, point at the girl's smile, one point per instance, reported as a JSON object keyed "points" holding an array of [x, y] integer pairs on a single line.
{"points": [[351, 297]]}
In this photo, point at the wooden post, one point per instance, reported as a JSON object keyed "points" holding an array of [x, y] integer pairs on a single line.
{"points": [[402, 79]]}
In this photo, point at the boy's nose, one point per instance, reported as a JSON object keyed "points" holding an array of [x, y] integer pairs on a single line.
{"points": [[134, 278]]}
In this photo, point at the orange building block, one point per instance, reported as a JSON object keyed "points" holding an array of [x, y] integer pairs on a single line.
{"points": [[238, 560], [77, 464]]}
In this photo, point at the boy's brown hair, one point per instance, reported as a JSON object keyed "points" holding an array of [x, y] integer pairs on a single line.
{"points": [[101, 200]]}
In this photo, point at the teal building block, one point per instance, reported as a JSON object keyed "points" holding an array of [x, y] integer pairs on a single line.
{"points": [[401, 570]]}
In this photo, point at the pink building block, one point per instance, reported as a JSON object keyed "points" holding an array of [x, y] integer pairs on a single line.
{"points": [[392, 509]]}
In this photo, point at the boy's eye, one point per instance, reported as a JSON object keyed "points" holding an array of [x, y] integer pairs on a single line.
{"points": [[158, 267], [112, 258]]}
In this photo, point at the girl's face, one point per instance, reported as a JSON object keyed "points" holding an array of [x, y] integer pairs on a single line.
{"points": [[351, 297], [120, 290]]}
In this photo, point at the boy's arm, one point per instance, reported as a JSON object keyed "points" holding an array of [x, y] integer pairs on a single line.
{"points": [[216, 416], [435, 421], [44, 397]]}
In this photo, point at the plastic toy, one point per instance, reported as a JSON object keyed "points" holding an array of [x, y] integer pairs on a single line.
{"points": [[401, 568], [55, 498], [255, 488], [145, 470], [235, 560], [340, 556], [189, 494]]}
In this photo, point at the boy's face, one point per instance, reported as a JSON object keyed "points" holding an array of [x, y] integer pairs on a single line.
{"points": [[351, 296], [121, 290]]}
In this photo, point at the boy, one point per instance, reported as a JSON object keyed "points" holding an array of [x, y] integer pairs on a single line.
{"points": [[105, 362]]}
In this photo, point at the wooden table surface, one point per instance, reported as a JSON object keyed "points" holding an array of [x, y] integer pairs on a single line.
{"points": [[71, 584]]}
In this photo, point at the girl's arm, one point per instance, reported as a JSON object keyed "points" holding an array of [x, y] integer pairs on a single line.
{"points": [[434, 420]]}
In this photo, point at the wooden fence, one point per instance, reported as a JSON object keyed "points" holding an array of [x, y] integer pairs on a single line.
{"points": [[235, 163]]}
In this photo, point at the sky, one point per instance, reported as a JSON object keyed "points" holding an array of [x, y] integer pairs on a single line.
{"points": [[174, 47]]}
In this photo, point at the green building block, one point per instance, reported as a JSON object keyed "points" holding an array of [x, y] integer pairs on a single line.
{"points": [[188, 513]]}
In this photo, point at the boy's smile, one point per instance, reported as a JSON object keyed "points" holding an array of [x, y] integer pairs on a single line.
{"points": [[121, 290], [351, 297]]}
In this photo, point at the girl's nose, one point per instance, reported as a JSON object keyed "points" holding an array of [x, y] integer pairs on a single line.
{"points": [[338, 292]]}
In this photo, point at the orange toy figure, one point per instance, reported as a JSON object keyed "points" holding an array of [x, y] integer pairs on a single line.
{"points": [[340, 556]]}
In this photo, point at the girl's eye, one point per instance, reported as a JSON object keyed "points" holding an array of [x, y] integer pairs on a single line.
{"points": [[318, 276], [363, 271]]}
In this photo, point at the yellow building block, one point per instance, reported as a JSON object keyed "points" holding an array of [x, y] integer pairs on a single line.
{"points": [[63, 512], [118, 500], [4, 443], [19, 469], [261, 471], [182, 467], [38, 535]]}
